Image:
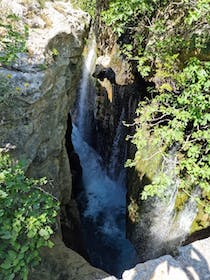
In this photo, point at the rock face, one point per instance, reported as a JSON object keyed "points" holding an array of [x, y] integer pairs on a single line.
{"points": [[192, 263], [154, 225], [38, 92], [34, 118], [117, 96], [61, 263]]}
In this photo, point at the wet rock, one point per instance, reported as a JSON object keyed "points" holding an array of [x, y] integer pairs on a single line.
{"points": [[101, 73]]}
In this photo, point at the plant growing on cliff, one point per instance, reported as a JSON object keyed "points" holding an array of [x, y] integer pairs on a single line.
{"points": [[168, 41], [27, 214], [180, 118], [88, 6], [13, 38]]}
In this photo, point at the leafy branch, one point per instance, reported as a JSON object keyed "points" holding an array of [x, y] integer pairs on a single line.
{"points": [[27, 218]]}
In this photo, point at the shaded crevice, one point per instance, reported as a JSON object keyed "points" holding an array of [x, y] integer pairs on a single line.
{"points": [[74, 161], [198, 235], [70, 217], [109, 114]]}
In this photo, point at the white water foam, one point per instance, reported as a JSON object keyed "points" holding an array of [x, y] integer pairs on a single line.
{"points": [[104, 195], [104, 212]]}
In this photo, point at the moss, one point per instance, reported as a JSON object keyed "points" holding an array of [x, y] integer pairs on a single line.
{"points": [[42, 3], [148, 160], [133, 211], [201, 221], [181, 199]]}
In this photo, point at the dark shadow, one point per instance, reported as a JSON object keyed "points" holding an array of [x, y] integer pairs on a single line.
{"points": [[198, 235], [74, 162], [101, 73], [110, 112], [70, 217], [192, 257]]}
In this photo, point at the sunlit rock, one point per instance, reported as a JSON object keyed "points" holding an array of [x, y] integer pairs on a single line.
{"points": [[192, 262]]}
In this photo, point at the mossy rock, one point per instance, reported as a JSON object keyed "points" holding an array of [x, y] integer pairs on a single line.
{"points": [[201, 221]]}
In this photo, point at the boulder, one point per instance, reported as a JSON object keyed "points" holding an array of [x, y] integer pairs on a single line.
{"points": [[192, 263]]}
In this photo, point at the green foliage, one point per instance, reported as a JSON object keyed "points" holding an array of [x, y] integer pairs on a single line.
{"points": [[88, 6], [161, 33], [170, 41], [124, 15], [181, 118], [27, 214], [13, 38]]}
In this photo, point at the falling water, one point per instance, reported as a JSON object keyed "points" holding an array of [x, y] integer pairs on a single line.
{"points": [[161, 230], [104, 206], [86, 89], [118, 155]]}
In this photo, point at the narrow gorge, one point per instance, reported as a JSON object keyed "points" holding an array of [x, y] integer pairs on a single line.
{"points": [[95, 114], [103, 199]]}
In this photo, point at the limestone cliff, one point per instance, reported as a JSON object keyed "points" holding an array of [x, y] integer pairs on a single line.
{"points": [[34, 117], [37, 93], [118, 92]]}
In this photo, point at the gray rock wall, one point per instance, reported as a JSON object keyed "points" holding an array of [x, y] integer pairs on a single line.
{"points": [[36, 93], [40, 90]]}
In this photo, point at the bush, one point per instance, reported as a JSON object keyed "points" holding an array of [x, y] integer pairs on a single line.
{"points": [[27, 214], [88, 6], [169, 43]]}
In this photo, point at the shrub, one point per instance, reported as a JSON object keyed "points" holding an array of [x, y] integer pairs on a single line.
{"points": [[27, 214], [169, 43]]}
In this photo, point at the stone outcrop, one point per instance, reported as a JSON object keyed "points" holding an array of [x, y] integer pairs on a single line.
{"points": [[34, 118], [192, 263], [117, 96], [158, 224], [154, 226], [61, 263], [39, 90]]}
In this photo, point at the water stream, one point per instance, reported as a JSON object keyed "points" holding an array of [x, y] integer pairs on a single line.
{"points": [[104, 198]]}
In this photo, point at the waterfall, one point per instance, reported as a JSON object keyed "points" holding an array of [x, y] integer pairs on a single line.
{"points": [[118, 155], [161, 230], [86, 89], [103, 200]]}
